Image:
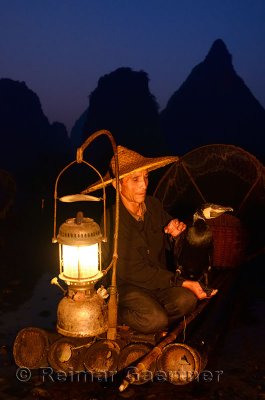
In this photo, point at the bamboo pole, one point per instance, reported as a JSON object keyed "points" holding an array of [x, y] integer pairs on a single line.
{"points": [[112, 304]]}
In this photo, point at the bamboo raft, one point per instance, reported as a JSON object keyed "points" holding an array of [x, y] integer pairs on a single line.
{"points": [[132, 358]]}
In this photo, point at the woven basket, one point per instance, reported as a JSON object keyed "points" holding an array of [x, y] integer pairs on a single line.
{"points": [[31, 347], [230, 241]]}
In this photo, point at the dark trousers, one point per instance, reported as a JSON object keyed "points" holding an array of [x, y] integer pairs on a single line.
{"points": [[149, 311]]}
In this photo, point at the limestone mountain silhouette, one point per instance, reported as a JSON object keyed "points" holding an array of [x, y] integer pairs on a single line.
{"points": [[31, 148], [22, 123], [77, 135], [123, 104], [214, 105]]}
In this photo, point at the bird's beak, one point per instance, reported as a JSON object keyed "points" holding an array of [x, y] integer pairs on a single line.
{"points": [[215, 210]]}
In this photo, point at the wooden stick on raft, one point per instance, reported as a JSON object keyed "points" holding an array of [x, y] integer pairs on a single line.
{"points": [[157, 350]]}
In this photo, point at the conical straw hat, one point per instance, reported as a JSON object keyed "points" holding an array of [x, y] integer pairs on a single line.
{"points": [[130, 161]]}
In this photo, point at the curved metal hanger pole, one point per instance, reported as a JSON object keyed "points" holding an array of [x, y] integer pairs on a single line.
{"points": [[112, 304]]}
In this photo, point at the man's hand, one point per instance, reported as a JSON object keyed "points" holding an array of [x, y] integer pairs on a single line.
{"points": [[196, 288], [175, 227]]}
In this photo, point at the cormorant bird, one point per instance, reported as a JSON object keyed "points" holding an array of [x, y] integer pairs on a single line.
{"points": [[194, 247]]}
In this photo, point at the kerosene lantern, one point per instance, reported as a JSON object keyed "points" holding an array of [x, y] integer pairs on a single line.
{"points": [[82, 311]]}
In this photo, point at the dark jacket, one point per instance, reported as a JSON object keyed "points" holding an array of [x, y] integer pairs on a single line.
{"points": [[141, 247]]}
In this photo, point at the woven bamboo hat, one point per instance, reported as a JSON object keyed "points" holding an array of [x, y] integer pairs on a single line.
{"points": [[130, 161]]}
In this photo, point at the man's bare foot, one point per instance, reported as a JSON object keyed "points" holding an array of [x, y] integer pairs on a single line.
{"points": [[198, 290]]}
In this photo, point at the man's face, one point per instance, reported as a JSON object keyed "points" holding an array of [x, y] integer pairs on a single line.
{"points": [[133, 187]]}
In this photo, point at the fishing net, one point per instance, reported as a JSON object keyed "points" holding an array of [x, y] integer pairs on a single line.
{"points": [[221, 174]]}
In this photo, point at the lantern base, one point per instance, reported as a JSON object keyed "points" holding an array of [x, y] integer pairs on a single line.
{"points": [[82, 316]]}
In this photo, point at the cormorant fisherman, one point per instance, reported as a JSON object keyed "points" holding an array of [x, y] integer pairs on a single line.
{"points": [[149, 299]]}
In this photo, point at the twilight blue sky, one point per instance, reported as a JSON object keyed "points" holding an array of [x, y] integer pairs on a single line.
{"points": [[60, 48]]}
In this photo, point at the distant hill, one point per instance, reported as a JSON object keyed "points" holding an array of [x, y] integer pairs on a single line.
{"points": [[77, 135], [23, 126], [123, 104], [32, 149], [214, 105]]}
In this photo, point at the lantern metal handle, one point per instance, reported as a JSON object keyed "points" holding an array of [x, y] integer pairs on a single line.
{"points": [[54, 239]]}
